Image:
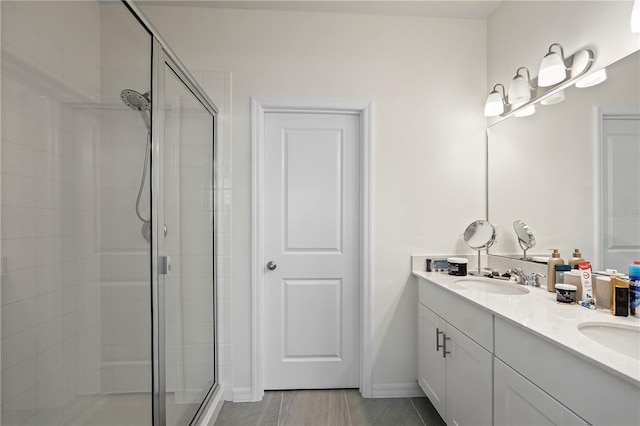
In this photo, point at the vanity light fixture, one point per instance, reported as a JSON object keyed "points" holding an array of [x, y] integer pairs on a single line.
{"points": [[495, 102], [635, 17], [556, 74], [592, 79], [553, 69], [526, 111], [520, 87]]}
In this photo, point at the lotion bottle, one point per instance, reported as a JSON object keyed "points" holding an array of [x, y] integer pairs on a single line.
{"points": [[576, 257], [554, 260]]}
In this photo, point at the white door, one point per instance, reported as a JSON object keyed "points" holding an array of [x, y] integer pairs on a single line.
{"points": [[621, 191], [312, 236]]}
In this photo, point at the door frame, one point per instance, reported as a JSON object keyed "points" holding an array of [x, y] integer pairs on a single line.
{"points": [[364, 110], [602, 113]]}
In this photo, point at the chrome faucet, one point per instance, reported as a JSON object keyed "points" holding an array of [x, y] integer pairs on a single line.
{"points": [[525, 279]]}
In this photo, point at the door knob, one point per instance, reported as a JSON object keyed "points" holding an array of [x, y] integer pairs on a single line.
{"points": [[271, 265]]}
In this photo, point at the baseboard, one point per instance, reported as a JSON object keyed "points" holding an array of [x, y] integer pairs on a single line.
{"points": [[213, 408], [397, 390], [242, 395]]}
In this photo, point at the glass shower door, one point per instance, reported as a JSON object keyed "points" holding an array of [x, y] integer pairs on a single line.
{"points": [[185, 239]]}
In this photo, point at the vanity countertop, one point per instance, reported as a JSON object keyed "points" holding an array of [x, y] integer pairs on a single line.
{"points": [[539, 313]]}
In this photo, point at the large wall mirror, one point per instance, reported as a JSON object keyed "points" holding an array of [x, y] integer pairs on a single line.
{"points": [[572, 173]]}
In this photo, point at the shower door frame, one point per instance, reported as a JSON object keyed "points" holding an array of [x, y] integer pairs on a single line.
{"points": [[163, 55], [162, 62]]}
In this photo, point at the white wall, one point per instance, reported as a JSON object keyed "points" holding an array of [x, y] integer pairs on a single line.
{"points": [[426, 78]]}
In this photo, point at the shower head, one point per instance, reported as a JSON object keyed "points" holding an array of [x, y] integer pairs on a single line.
{"points": [[135, 100], [138, 102]]}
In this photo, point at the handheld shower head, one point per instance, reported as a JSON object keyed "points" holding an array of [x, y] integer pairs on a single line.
{"points": [[135, 100], [138, 102]]}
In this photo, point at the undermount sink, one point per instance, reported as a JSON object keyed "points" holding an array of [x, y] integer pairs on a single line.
{"points": [[624, 339], [494, 286]]}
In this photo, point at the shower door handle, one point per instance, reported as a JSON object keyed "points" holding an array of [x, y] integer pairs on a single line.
{"points": [[164, 265]]}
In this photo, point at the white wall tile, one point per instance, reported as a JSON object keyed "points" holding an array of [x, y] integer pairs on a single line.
{"points": [[18, 285], [21, 409], [18, 347], [17, 379], [18, 316], [49, 334]]}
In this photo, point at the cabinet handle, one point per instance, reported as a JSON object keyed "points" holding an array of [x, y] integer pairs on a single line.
{"points": [[438, 345], [444, 346]]}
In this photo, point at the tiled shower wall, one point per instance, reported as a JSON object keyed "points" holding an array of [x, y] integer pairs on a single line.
{"points": [[75, 287], [218, 85], [124, 267], [50, 253]]}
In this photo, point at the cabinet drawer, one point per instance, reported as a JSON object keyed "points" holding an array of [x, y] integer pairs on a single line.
{"points": [[470, 319], [581, 386]]}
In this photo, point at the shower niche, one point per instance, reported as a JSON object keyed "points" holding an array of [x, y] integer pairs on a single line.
{"points": [[108, 269]]}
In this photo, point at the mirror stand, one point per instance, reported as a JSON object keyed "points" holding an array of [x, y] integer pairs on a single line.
{"points": [[479, 235], [477, 272]]}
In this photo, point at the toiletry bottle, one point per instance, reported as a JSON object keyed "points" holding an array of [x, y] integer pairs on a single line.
{"points": [[634, 288], [585, 279], [554, 260], [575, 258]]}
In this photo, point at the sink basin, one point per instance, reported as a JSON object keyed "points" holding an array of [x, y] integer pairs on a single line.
{"points": [[624, 339], [490, 286]]}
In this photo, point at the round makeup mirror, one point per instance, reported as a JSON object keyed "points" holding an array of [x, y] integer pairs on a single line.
{"points": [[525, 237], [479, 235]]}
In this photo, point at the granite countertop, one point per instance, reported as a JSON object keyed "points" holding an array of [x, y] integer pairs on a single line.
{"points": [[556, 322]]}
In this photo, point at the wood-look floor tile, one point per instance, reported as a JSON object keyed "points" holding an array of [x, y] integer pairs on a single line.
{"points": [[262, 413], [381, 411], [305, 408], [338, 410], [428, 412]]}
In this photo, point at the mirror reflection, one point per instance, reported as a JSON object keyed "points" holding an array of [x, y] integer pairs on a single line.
{"points": [[572, 172], [526, 240]]}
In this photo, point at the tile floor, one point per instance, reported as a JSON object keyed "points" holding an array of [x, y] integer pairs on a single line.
{"points": [[339, 407]]}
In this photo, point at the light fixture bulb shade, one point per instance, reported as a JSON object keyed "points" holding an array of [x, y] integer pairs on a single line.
{"points": [[494, 105], [592, 79], [635, 17], [556, 98], [519, 91], [552, 70], [526, 111]]}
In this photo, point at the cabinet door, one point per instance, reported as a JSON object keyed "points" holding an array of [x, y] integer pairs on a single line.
{"points": [[519, 402], [469, 381], [431, 363]]}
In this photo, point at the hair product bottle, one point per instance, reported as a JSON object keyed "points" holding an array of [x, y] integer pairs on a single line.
{"points": [[554, 260], [575, 258]]}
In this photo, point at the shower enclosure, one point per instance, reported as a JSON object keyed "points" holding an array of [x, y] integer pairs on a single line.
{"points": [[107, 221]]}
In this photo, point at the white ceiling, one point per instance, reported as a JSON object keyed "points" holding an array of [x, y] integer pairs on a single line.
{"points": [[474, 9]]}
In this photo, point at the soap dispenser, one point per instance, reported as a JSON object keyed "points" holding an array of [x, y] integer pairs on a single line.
{"points": [[554, 260], [575, 259]]}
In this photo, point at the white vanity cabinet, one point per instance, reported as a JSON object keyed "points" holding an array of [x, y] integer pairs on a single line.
{"points": [[455, 371], [517, 401], [598, 396], [515, 361]]}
